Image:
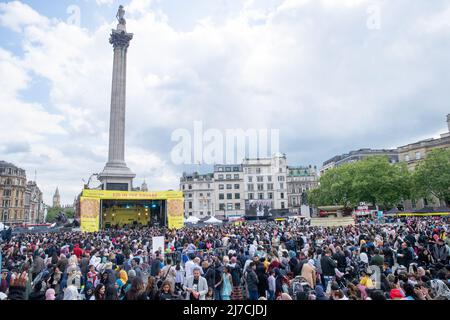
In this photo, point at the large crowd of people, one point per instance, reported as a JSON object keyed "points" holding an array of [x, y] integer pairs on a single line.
{"points": [[407, 259]]}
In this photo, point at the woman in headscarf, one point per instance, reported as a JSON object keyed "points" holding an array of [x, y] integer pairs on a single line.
{"points": [[320, 294], [50, 294], [71, 293], [88, 291], [439, 290]]}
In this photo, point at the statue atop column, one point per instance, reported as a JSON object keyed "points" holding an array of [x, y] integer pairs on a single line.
{"points": [[120, 15]]}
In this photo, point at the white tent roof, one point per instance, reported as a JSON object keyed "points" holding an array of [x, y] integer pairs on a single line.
{"points": [[213, 220], [192, 219]]}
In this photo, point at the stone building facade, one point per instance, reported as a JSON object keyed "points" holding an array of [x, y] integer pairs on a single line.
{"points": [[13, 184], [229, 191], [198, 192], [300, 180], [34, 205]]}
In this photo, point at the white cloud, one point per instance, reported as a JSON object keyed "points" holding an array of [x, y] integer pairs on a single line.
{"points": [[16, 15]]}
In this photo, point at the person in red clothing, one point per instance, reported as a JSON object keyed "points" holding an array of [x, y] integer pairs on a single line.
{"points": [[78, 251]]}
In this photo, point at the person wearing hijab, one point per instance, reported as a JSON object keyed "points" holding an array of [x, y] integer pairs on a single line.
{"points": [[440, 290], [88, 291], [50, 294], [320, 294], [71, 293]]}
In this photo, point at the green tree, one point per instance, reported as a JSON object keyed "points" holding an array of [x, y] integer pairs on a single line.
{"points": [[432, 176], [373, 180]]}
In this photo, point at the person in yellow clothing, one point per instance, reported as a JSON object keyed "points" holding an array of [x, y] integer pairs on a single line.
{"points": [[366, 281]]}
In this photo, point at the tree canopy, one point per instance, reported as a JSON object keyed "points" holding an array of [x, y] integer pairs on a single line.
{"points": [[373, 180], [432, 176]]}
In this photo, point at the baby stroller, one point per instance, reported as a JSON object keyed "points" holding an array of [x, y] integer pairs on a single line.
{"points": [[300, 289]]}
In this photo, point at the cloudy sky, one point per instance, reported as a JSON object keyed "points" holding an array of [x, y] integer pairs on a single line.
{"points": [[331, 75]]}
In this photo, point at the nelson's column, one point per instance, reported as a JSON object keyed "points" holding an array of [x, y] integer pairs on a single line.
{"points": [[116, 175]]}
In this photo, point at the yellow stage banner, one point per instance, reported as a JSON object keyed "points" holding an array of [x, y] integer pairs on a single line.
{"points": [[175, 213], [89, 214], [132, 195]]}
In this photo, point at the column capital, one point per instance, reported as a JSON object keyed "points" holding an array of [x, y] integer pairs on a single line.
{"points": [[120, 39]]}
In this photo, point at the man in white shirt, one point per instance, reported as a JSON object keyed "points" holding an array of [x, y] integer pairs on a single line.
{"points": [[190, 265]]}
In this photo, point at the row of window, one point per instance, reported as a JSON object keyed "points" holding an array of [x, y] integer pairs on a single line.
{"points": [[12, 171], [228, 177], [229, 186], [258, 170], [418, 156], [9, 182], [260, 196], [8, 193], [261, 179], [260, 187], [229, 196], [228, 169], [7, 203]]}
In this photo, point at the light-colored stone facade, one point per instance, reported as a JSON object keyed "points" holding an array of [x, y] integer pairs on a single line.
{"points": [[229, 191], [198, 192], [300, 180], [34, 205], [265, 181], [13, 183]]}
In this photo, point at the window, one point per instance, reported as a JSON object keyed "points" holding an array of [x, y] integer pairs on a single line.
{"points": [[220, 169], [201, 194], [209, 213], [201, 213], [270, 186], [258, 170], [229, 206], [250, 196], [228, 169], [189, 195], [250, 187], [236, 186], [282, 195], [236, 177], [260, 187], [208, 194], [7, 193], [17, 202], [237, 195], [190, 187], [229, 196], [183, 186], [222, 206], [260, 196], [280, 178], [407, 157], [228, 176], [221, 186], [417, 155], [280, 170], [237, 206], [282, 205], [229, 186], [260, 179], [221, 196], [249, 170], [270, 194], [250, 179], [281, 185], [269, 178], [190, 205], [221, 176]]}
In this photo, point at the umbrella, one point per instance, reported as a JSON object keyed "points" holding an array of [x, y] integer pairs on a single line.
{"points": [[213, 220]]}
